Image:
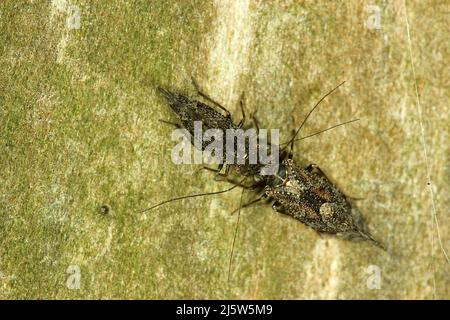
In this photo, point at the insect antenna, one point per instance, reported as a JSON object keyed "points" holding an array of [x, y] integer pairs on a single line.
{"points": [[319, 132], [309, 113], [235, 235], [189, 196], [324, 130]]}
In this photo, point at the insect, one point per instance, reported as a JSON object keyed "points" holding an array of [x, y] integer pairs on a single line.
{"points": [[189, 111], [307, 195]]}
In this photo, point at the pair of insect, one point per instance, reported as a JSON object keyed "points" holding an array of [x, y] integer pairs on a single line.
{"points": [[305, 194]]}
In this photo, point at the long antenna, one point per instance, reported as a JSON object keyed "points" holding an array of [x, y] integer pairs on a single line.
{"points": [[311, 111], [189, 196], [235, 235], [324, 130]]}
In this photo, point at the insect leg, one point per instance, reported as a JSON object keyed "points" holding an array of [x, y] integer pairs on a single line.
{"points": [[211, 169], [255, 121], [171, 123], [205, 96], [241, 103], [248, 204], [224, 177], [277, 207], [291, 149]]}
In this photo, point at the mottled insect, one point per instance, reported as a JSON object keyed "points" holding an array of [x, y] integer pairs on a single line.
{"points": [[307, 195], [189, 110], [304, 194]]}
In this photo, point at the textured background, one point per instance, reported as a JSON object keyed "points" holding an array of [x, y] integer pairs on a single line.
{"points": [[80, 129]]}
